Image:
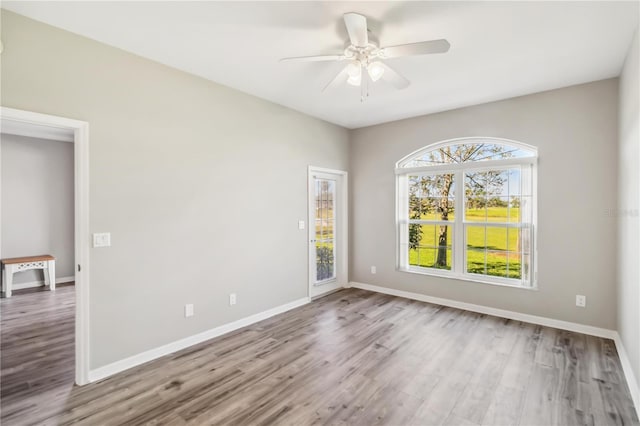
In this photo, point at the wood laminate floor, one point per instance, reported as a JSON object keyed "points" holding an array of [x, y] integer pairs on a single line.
{"points": [[353, 357]]}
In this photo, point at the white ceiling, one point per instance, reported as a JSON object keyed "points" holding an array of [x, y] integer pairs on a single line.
{"points": [[498, 49]]}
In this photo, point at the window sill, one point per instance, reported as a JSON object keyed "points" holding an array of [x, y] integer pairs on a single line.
{"points": [[454, 276]]}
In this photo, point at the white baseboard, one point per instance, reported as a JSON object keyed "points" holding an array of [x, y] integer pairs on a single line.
{"points": [[502, 313], [533, 319], [141, 358], [33, 284], [628, 372]]}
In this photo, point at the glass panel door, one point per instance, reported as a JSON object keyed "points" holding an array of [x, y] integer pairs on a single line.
{"points": [[325, 225]]}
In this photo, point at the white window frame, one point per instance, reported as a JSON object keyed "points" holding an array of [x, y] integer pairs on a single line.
{"points": [[459, 224]]}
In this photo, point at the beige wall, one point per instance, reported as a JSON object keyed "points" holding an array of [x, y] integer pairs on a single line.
{"points": [[201, 186], [629, 207], [576, 133], [37, 202]]}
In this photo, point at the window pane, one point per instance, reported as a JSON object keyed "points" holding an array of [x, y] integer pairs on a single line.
{"points": [[487, 196], [498, 210], [415, 207], [476, 249], [496, 238], [514, 182], [438, 208], [476, 238], [494, 251], [514, 262], [514, 209], [430, 246], [324, 225], [504, 264], [513, 239], [475, 197], [476, 211], [476, 261], [430, 235], [432, 197], [324, 261]]}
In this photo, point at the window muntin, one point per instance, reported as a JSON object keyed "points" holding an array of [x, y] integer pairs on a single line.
{"points": [[483, 231]]}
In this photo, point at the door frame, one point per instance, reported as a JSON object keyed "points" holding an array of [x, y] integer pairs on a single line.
{"points": [[81, 227], [342, 231]]}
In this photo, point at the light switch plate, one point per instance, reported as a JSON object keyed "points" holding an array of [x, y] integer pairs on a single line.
{"points": [[188, 310], [301, 224], [102, 239]]}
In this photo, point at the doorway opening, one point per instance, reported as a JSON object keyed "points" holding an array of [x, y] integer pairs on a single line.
{"points": [[27, 124]]}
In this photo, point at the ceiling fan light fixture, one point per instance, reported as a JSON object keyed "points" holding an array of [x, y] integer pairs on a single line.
{"points": [[354, 71], [375, 70], [355, 80]]}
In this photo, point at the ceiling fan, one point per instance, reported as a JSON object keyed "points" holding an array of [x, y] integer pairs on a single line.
{"points": [[364, 54]]}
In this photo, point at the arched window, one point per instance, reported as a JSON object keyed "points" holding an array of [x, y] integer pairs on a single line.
{"points": [[466, 209]]}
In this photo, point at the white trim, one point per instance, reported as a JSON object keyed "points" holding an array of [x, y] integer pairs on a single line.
{"points": [[141, 358], [342, 231], [629, 375], [502, 313], [83, 239], [81, 195], [29, 130], [40, 283]]}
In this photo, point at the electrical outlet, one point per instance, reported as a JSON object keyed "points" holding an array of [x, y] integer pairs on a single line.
{"points": [[232, 299], [188, 310], [373, 270], [581, 300]]}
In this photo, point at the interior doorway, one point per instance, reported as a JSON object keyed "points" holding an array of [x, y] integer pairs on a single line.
{"points": [[31, 124], [328, 230]]}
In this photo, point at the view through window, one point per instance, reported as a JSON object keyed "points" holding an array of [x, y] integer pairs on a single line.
{"points": [[466, 209]]}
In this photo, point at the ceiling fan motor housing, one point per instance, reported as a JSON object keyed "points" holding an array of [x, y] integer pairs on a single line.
{"points": [[364, 55]]}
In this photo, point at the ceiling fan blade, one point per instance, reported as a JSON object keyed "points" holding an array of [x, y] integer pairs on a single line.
{"points": [[341, 77], [314, 58], [420, 48], [391, 76], [357, 28]]}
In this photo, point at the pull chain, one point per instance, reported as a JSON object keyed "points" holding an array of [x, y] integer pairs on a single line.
{"points": [[364, 88]]}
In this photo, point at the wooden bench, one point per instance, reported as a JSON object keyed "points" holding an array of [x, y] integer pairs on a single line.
{"points": [[10, 266]]}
